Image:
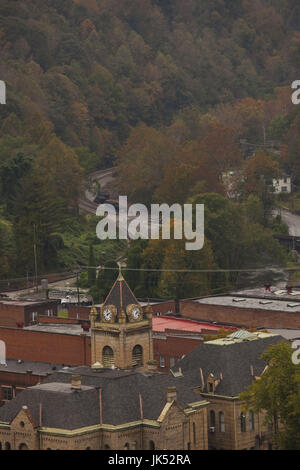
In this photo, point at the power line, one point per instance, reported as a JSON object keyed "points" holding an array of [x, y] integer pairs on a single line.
{"points": [[100, 268], [237, 270]]}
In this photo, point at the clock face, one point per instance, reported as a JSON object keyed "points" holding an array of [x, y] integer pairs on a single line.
{"points": [[136, 313], [107, 313]]}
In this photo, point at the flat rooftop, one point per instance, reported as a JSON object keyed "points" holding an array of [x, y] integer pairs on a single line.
{"points": [[59, 387], [26, 303], [162, 323], [59, 328], [256, 303], [240, 337], [37, 368], [286, 333]]}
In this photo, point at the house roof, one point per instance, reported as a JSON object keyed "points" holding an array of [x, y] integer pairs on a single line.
{"points": [[65, 408], [230, 360]]}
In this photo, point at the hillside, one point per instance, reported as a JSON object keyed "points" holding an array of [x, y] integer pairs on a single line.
{"points": [[89, 80]]}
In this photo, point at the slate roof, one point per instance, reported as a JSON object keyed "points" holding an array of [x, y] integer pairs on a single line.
{"points": [[233, 361], [120, 295], [64, 408]]}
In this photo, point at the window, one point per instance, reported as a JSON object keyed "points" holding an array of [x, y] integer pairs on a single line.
{"points": [[172, 361], [108, 357], [162, 361], [243, 422], [33, 316], [23, 446], [50, 312], [284, 189], [7, 446], [212, 419], [251, 420], [7, 393], [194, 433], [126, 446], [137, 356], [221, 422]]}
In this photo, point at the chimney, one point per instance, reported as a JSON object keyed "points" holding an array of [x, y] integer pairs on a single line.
{"points": [[171, 394], [76, 382], [152, 366]]}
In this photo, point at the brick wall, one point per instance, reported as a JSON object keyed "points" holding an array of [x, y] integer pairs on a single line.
{"points": [[12, 313], [83, 311], [246, 317], [176, 347], [46, 347]]}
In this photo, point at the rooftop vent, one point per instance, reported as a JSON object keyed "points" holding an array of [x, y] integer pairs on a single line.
{"points": [[265, 302], [293, 305], [238, 299]]}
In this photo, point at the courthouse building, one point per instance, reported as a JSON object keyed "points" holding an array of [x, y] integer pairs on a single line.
{"points": [[123, 402]]}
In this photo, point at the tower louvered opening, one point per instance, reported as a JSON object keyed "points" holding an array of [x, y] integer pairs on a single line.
{"points": [[137, 356], [107, 357]]}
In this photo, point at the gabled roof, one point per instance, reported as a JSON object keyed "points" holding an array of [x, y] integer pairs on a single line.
{"points": [[233, 361]]}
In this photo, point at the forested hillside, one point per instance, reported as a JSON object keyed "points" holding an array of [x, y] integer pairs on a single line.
{"points": [[155, 87]]}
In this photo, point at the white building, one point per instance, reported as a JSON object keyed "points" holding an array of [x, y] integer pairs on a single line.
{"points": [[283, 184]]}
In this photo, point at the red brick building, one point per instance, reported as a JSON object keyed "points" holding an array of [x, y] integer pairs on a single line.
{"points": [[244, 312], [16, 375], [23, 313], [175, 337]]}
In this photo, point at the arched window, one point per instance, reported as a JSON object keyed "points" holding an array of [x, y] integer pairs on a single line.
{"points": [[126, 446], [23, 446], [137, 356], [106, 447], [108, 357], [243, 422], [221, 422], [0, 445], [151, 445], [251, 420], [7, 446], [194, 433], [212, 419]]}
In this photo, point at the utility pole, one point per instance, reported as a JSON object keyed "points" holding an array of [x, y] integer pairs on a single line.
{"points": [[35, 258], [77, 283]]}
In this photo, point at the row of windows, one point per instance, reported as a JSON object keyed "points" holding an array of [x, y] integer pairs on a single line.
{"points": [[221, 421], [8, 393], [108, 356], [7, 446], [162, 361]]}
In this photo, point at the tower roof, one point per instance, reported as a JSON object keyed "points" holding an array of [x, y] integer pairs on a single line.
{"points": [[120, 295]]}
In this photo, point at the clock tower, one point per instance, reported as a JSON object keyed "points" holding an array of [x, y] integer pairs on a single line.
{"points": [[122, 332]]}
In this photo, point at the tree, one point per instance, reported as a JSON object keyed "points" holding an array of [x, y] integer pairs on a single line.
{"points": [[141, 161], [277, 393], [92, 267]]}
